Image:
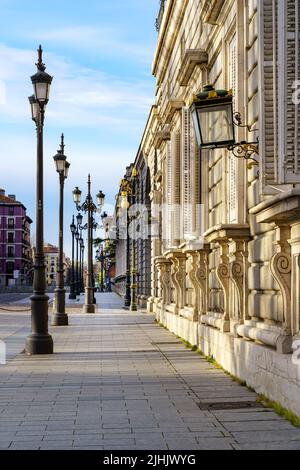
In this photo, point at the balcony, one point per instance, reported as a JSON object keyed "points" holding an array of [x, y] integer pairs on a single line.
{"points": [[159, 19]]}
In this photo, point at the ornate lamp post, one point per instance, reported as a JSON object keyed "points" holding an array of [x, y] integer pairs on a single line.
{"points": [[90, 208], [81, 248], [39, 341], [76, 261], [128, 193], [72, 287], [60, 318], [125, 197], [100, 257], [78, 254]]}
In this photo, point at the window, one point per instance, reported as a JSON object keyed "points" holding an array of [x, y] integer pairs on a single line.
{"points": [[10, 252], [10, 267], [11, 223], [10, 237], [11, 210]]}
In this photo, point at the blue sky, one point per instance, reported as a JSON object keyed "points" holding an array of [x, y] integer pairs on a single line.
{"points": [[100, 54]]}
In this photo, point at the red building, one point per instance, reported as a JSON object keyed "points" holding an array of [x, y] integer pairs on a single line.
{"points": [[15, 246]]}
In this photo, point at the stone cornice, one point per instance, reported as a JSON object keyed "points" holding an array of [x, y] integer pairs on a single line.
{"points": [[226, 232], [161, 136], [210, 10], [173, 105], [174, 253], [283, 208], [192, 57]]}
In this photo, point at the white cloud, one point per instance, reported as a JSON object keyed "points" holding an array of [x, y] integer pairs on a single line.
{"points": [[80, 96], [100, 41]]}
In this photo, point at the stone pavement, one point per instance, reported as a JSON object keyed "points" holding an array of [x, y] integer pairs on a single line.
{"points": [[119, 381]]}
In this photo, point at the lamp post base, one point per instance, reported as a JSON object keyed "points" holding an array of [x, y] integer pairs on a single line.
{"points": [[59, 319], [39, 344], [126, 303], [89, 308]]}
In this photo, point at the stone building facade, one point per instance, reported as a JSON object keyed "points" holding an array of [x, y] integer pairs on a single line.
{"points": [[15, 244], [229, 279], [142, 240]]}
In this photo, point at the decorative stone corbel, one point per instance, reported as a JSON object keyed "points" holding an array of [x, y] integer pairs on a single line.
{"points": [[284, 211], [238, 274], [202, 274], [281, 268], [180, 279], [178, 275], [223, 276], [165, 279], [193, 268]]}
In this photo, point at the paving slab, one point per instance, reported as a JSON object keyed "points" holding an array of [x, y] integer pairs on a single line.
{"points": [[117, 380]]}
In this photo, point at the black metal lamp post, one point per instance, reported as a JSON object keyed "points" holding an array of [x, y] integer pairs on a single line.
{"points": [[72, 286], [128, 197], [90, 208], [60, 318], [83, 285], [133, 299], [76, 263], [81, 248], [39, 341], [78, 253], [124, 205], [100, 257]]}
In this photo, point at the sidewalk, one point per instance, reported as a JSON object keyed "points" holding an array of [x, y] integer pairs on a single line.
{"points": [[119, 381]]}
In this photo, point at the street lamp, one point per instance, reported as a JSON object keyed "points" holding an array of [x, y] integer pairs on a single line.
{"points": [[77, 236], [100, 257], [79, 219], [39, 341], [72, 286], [81, 247], [128, 197], [60, 318], [215, 121], [90, 208]]}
